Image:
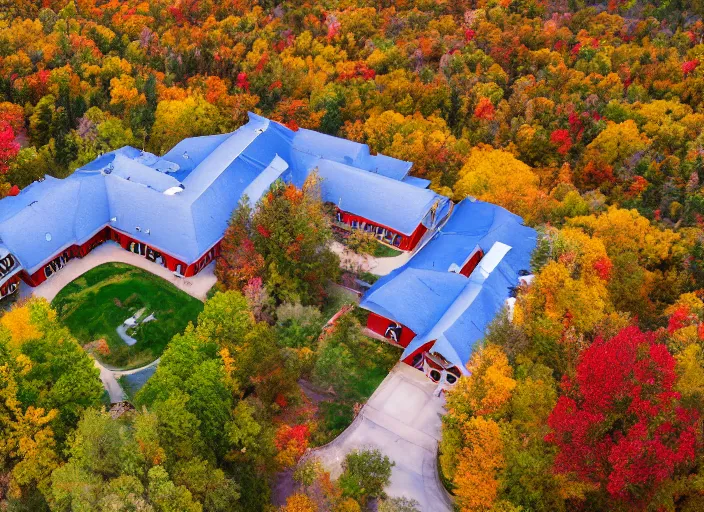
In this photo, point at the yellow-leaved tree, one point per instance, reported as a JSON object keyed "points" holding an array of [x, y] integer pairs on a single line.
{"points": [[485, 393], [299, 503], [479, 463], [498, 177], [627, 231]]}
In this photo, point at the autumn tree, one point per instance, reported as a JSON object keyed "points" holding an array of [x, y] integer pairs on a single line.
{"points": [[496, 176], [46, 382], [619, 426], [238, 261], [178, 119], [291, 230]]}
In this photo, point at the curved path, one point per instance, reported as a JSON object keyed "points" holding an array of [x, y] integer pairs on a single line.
{"points": [[111, 252], [403, 420], [109, 376], [354, 262]]}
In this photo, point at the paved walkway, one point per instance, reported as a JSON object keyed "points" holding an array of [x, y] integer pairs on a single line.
{"points": [[108, 252], [350, 260], [109, 377], [403, 420]]}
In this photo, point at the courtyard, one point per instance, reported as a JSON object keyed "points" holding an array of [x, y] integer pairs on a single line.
{"points": [[123, 314]]}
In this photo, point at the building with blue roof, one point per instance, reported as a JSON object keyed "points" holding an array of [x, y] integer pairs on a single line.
{"points": [[174, 209], [439, 304]]}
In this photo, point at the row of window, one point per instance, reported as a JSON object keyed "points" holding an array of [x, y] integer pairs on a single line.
{"points": [[388, 236]]}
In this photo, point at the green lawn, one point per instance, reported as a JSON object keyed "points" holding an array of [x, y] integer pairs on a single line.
{"points": [[385, 251], [96, 303]]}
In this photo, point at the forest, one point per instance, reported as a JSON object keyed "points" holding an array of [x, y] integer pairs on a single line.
{"points": [[584, 117]]}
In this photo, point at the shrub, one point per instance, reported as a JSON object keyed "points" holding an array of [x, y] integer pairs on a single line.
{"points": [[365, 473], [362, 242], [399, 505]]}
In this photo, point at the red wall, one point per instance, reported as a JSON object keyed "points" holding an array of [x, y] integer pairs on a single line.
{"points": [[379, 324], [204, 260], [408, 243], [10, 286], [472, 263], [107, 233], [423, 348]]}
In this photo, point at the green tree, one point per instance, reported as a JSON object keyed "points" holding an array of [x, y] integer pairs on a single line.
{"points": [[292, 230], [365, 473]]}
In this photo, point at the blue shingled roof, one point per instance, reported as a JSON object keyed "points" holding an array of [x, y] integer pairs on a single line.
{"points": [[450, 309], [392, 203], [180, 203]]}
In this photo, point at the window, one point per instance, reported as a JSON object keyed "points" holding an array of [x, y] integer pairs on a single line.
{"points": [[435, 375], [451, 379], [393, 332]]}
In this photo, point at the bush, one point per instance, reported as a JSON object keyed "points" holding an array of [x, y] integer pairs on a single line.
{"points": [[298, 326], [399, 505], [365, 473], [362, 242]]}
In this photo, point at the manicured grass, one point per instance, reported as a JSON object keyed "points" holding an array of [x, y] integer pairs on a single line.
{"points": [[384, 251], [96, 303], [368, 277]]}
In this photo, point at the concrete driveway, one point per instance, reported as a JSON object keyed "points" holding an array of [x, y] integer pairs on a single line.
{"points": [[402, 419]]}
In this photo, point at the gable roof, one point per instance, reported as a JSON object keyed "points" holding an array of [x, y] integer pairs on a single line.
{"points": [[454, 311], [394, 204], [180, 203]]}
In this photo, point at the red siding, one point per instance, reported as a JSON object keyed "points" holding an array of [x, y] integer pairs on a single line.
{"points": [[423, 348], [407, 243], [472, 263], [410, 243], [204, 261], [380, 324], [125, 241], [10, 286]]}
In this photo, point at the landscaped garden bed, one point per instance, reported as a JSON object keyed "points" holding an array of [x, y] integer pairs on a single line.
{"points": [[99, 302]]}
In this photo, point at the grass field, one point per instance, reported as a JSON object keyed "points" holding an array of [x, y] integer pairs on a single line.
{"points": [[385, 251], [96, 303]]}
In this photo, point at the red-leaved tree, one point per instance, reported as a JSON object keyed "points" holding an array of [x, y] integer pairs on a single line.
{"points": [[619, 424], [8, 147]]}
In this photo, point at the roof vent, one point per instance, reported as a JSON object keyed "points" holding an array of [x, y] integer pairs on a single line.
{"points": [[185, 155], [137, 228], [454, 268], [148, 231], [48, 237], [113, 219]]}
